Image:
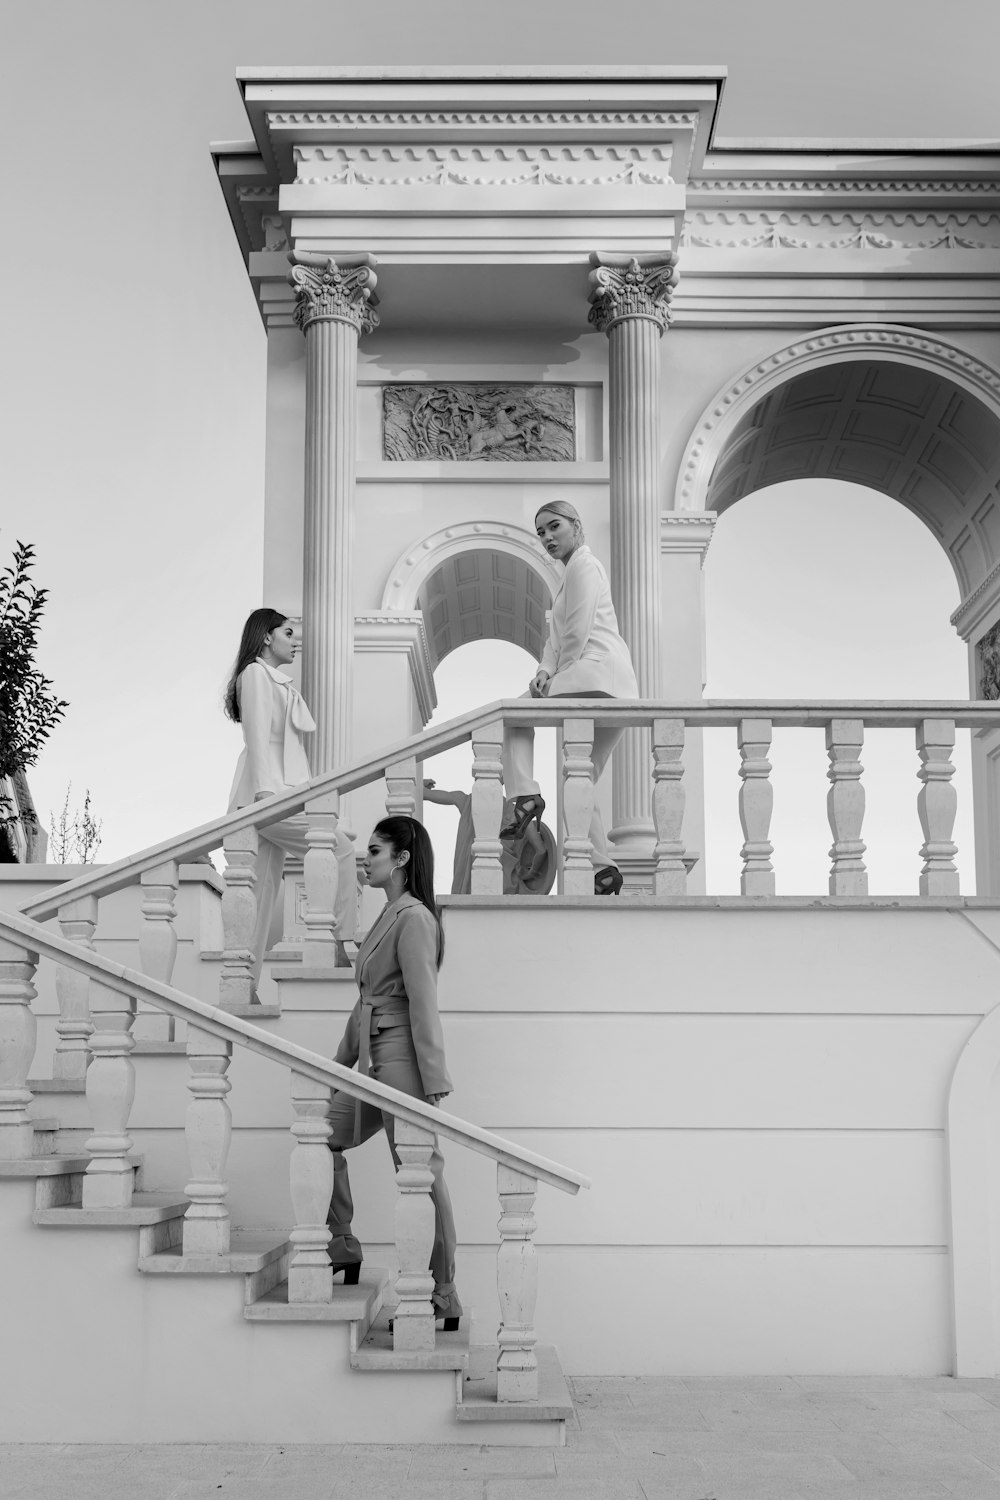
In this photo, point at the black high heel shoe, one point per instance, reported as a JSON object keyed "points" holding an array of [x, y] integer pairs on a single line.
{"points": [[351, 1270], [527, 809], [608, 881], [448, 1325]]}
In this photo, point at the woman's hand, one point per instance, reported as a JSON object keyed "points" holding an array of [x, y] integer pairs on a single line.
{"points": [[538, 684], [435, 1099]]}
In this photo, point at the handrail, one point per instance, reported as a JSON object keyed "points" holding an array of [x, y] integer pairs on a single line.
{"points": [[300, 1059], [538, 712]]}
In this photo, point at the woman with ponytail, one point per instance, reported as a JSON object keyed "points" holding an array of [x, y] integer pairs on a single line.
{"points": [[394, 1035]]}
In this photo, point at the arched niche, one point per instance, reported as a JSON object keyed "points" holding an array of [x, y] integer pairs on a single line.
{"points": [[897, 410], [479, 581]]}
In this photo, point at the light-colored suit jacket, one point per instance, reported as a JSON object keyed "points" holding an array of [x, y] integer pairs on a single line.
{"points": [[274, 718], [396, 972], [585, 652]]}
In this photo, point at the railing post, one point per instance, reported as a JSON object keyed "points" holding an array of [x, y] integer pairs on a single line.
{"points": [[401, 789], [207, 1130], [845, 807], [756, 802], [578, 806], [108, 1180], [413, 1320], [321, 877], [157, 932], [18, 1032], [937, 804], [487, 810], [77, 920], [310, 1276], [517, 1285], [670, 875], [239, 918]]}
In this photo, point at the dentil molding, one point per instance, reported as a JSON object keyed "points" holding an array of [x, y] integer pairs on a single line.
{"points": [[490, 119], [687, 532], [873, 186]]}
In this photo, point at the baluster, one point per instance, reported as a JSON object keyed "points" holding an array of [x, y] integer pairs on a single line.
{"points": [[321, 877], [157, 932], [77, 920], [413, 1320], [578, 806], [239, 918], [207, 1131], [756, 802], [108, 1180], [517, 1284], [937, 803], [310, 1276], [670, 875], [487, 810], [401, 789], [845, 807], [18, 1031]]}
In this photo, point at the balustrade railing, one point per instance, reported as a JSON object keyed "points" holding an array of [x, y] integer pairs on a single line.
{"points": [[211, 1038]]}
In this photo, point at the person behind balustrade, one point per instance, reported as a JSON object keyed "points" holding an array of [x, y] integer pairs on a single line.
{"points": [[394, 1035], [584, 657], [263, 700], [529, 864]]}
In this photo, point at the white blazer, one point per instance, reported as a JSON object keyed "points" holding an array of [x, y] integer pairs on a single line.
{"points": [[585, 652], [274, 719]]}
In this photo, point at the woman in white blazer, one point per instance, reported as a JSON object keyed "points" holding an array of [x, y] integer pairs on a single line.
{"points": [[263, 700], [584, 657]]}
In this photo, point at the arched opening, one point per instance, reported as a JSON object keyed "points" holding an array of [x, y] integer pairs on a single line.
{"points": [[484, 594]]}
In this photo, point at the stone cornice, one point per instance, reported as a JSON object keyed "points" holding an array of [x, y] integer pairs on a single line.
{"points": [[623, 287], [327, 290], [686, 531], [974, 608], [385, 631], [838, 229]]}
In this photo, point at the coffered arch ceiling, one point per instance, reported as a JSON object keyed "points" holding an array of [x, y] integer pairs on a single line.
{"points": [[894, 427], [483, 594]]}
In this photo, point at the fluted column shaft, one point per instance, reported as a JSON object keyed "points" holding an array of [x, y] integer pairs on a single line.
{"points": [[630, 298], [333, 309]]}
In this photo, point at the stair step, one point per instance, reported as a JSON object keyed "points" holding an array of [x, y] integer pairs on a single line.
{"points": [[44, 1166], [146, 1208], [478, 1401], [248, 1253], [450, 1352], [350, 1304]]}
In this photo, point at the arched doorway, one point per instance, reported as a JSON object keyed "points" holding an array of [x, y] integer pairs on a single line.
{"points": [[900, 413]]}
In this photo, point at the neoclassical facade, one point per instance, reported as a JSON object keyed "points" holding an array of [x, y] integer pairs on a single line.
{"points": [[673, 321]]}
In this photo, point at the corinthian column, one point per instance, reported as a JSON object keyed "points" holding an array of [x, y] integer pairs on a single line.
{"points": [[630, 297], [333, 307]]}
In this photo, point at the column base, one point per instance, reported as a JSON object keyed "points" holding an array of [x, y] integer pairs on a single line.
{"points": [[633, 838], [638, 869]]}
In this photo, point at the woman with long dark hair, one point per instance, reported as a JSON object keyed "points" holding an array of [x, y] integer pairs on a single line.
{"points": [[264, 701], [394, 1035], [585, 656]]}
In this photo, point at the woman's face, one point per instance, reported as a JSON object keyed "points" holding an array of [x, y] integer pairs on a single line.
{"points": [[558, 534], [283, 644], [380, 863]]}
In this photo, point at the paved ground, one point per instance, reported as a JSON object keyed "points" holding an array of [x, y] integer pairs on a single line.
{"points": [[634, 1439]]}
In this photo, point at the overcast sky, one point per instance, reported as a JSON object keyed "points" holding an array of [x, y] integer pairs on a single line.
{"points": [[134, 355]]}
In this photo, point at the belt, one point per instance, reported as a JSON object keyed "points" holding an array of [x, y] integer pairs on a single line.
{"points": [[371, 1020]]}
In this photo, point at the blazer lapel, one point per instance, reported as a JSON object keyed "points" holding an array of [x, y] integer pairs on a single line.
{"points": [[381, 928]]}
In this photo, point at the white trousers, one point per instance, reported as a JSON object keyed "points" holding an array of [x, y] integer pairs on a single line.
{"points": [[289, 838], [519, 775]]}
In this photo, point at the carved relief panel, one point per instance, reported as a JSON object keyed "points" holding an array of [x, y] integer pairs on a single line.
{"points": [[988, 663], [479, 420]]}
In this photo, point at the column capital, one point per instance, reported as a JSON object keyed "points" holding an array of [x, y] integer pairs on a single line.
{"points": [[328, 290], [631, 286]]}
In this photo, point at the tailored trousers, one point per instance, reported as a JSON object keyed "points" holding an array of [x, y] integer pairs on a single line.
{"points": [[393, 1061], [519, 771], [289, 838]]}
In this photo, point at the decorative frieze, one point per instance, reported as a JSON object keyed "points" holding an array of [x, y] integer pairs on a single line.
{"points": [[840, 231], [478, 420], [330, 291], [988, 663], [489, 166], [631, 287]]}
